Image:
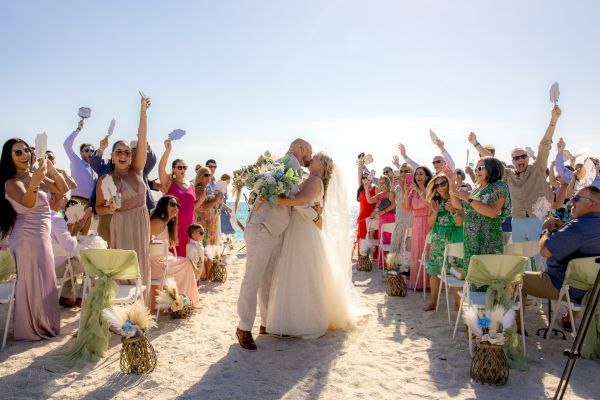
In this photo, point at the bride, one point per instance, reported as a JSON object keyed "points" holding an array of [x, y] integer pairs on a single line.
{"points": [[312, 288]]}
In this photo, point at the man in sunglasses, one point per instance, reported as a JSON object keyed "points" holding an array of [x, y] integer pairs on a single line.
{"points": [[527, 183], [438, 161], [81, 170], [566, 173], [560, 244]]}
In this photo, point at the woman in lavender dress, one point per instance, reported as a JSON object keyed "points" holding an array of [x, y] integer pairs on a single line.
{"points": [[25, 214]]}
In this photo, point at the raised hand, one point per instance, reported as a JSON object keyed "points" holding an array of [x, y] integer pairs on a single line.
{"points": [[396, 161], [145, 102], [462, 194], [168, 145], [440, 145], [402, 150], [435, 206], [556, 113], [80, 124], [38, 176], [472, 138], [560, 146], [104, 143], [448, 207]]}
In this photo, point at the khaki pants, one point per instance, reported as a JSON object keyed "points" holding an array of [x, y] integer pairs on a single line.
{"points": [[539, 284]]}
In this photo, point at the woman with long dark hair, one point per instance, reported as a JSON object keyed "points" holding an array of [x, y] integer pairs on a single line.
{"points": [[25, 215], [163, 227], [415, 201], [366, 208], [130, 224]]}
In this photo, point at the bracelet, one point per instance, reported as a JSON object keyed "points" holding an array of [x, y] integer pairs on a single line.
{"points": [[317, 219], [470, 200], [34, 188]]}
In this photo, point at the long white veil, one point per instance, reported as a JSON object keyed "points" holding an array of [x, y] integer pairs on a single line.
{"points": [[337, 228]]}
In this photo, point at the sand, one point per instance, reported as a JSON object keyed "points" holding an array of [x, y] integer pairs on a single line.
{"points": [[399, 352]]}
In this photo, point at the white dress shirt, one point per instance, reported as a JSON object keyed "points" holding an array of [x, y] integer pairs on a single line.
{"points": [[61, 236]]}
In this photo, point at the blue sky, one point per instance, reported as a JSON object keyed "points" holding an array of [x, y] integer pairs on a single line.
{"points": [[349, 76]]}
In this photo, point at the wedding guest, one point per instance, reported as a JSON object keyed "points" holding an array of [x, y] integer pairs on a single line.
{"points": [[414, 201], [163, 226], [175, 184], [206, 212], [81, 170], [25, 214], [565, 172], [71, 184], [385, 208], [225, 210], [527, 183], [66, 238], [438, 161], [485, 208], [148, 167], [366, 208], [195, 252], [446, 227], [130, 224], [404, 219], [102, 167]]}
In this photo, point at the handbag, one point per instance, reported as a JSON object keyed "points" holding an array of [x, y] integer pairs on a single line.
{"points": [[383, 204]]}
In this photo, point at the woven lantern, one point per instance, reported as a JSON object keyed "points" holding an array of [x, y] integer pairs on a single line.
{"points": [[364, 264], [137, 355], [489, 364], [395, 284]]}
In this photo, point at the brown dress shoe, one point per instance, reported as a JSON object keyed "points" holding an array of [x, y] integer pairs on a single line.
{"points": [[263, 330], [245, 339], [66, 302]]}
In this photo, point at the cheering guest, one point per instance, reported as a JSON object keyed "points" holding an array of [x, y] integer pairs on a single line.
{"points": [[384, 209], [485, 208], [130, 223], [565, 172], [415, 201], [438, 161], [366, 208], [25, 214], [206, 212], [163, 226], [404, 219], [176, 185], [81, 170]]}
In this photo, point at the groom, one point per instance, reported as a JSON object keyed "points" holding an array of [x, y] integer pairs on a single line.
{"points": [[264, 236]]}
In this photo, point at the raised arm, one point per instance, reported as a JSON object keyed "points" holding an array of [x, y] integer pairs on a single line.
{"points": [[559, 162], [482, 150], [139, 160], [70, 141], [406, 157], [447, 156], [361, 167], [163, 176], [54, 181], [541, 162]]}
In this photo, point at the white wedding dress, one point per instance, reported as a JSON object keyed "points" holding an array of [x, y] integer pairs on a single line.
{"points": [[311, 290]]}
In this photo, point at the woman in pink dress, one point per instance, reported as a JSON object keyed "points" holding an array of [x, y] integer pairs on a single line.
{"points": [[414, 201], [163, 226], [176, 185], [384, 209], [25, 214]]}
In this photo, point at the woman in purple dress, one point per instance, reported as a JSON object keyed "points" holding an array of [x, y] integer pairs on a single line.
{"points": [[25, 214]]}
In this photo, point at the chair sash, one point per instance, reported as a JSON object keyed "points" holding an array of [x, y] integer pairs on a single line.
{"points": [[581, 274], [107, 266], [498, 272]]}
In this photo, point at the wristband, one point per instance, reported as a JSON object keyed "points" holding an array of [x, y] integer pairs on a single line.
{"points": [[470, 200]]}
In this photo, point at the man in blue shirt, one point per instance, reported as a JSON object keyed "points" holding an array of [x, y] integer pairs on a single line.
{"points": [[560, 244]]}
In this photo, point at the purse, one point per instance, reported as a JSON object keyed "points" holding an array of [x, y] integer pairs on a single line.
{"points": [[383, 204]]}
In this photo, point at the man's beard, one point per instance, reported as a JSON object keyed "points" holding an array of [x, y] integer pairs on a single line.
{"points": [[307, 162]]}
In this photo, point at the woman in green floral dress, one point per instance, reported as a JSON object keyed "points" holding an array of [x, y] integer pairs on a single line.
{"points": [[446, 222], [486, 207]]}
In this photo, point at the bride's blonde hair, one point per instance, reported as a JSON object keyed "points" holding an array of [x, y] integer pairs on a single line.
{"points": [[327, 162]]}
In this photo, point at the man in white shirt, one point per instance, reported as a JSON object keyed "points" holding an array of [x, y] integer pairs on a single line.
{"points": [[65, 239]]}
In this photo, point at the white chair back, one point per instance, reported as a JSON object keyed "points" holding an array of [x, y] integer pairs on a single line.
{"points": [[7, 291], [525, 249]]}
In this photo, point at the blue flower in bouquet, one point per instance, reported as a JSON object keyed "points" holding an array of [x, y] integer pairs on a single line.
{"points": [[279, 173]]}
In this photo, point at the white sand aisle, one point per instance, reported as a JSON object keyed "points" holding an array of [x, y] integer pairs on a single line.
{"points": [[399, 352]]}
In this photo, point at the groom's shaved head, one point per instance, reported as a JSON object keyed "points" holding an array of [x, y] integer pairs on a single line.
{"points": [[302, 150], [300, 143]]}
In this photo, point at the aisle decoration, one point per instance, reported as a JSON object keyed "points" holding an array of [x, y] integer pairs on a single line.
{"points": [[395, 284], [169, 298], [221, 256], [132, 323], [493, 331]]}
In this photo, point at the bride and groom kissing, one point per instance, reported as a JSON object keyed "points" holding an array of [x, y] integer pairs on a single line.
{"points": [[293, 267]]}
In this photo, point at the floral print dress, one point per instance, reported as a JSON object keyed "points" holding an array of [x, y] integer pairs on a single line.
{"points": [[444, 231], [483, 235]]}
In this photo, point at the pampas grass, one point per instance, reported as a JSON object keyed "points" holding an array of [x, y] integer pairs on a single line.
{"points": [[137, 312], [167, 295], [472, 321]]}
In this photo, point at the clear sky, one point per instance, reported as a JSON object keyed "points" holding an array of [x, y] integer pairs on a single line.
{"points": [[349, 76]]}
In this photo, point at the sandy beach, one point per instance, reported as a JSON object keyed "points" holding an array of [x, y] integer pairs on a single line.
{"points": [[398, 352]]}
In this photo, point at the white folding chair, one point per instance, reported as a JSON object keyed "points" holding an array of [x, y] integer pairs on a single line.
{"points": [[60, 252], [7, 288], [497, 267], [455, 250], [529, 249], [385, 228], [586, 267], [423, 267], [158, 248]]}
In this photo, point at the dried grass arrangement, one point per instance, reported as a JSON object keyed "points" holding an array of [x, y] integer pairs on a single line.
{"points": [[169, 298], [221, 256]]}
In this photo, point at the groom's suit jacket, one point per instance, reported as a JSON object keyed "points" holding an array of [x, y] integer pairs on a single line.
{"points": [[274, 218]]}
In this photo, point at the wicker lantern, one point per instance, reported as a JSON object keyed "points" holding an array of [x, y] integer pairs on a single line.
{"points": [[489, 364], [137, 355]]}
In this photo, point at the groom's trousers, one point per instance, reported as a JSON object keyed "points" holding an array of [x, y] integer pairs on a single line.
{"points": [[262, 252]]}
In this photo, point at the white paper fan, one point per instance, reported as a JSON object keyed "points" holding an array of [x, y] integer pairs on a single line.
{"points": [[541, 207], [434, 137], [221, 187], [177, 134], [84, 112], [368, 159], [554, 93], [74, 213], [111, 127], [41, 144], [109, 189], [586, 175]]}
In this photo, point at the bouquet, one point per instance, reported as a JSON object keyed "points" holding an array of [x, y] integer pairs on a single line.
{"points": [[129, 321], [490, 326], [241, 176], [170, 299]]}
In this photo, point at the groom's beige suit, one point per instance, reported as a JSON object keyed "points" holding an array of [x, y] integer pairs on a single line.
{"points": [[263, 236]]}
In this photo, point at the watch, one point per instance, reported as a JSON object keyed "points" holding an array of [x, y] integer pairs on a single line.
{"points": [[470, 200]]}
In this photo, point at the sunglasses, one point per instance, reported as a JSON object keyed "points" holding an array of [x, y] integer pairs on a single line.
{"points": [[440, 185], [581, 198], [521, 157], [212, 166], [480, 168], [20, 152], [405, 171], [181, 167], [207, 175], [387, 171], [120, 153], [199, 232], [438, 161], [87, 150], [174, 204]]}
